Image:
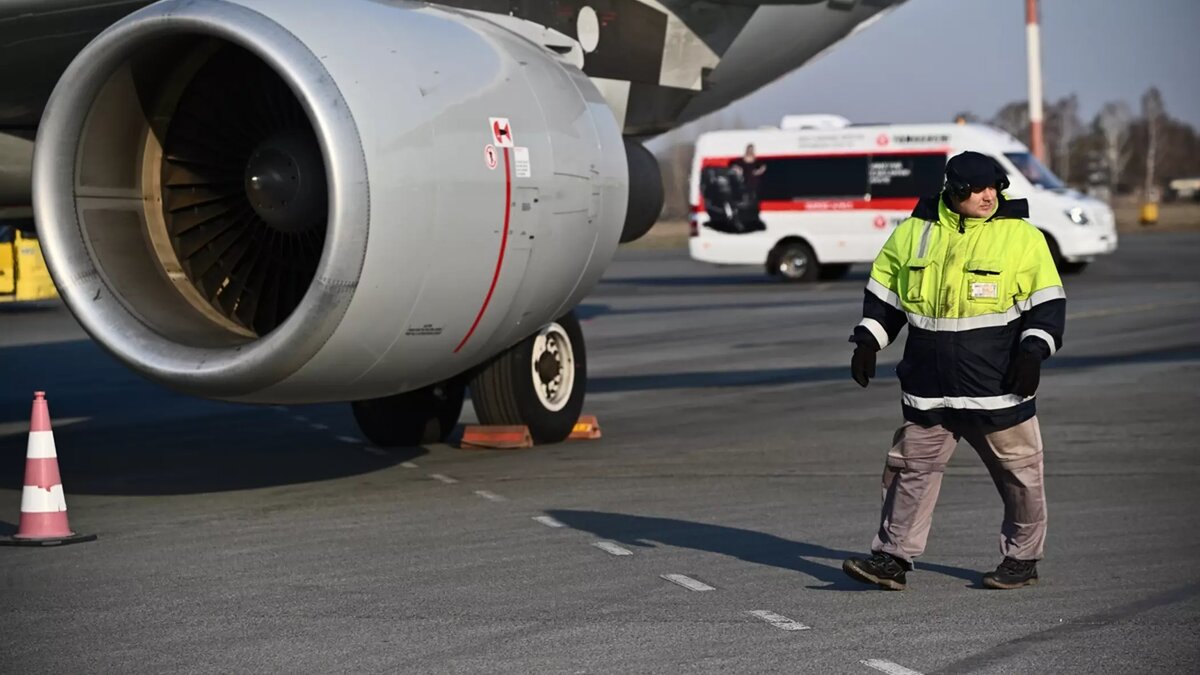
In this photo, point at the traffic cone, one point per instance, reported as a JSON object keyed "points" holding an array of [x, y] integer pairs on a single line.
{"points": [[43, 504]]}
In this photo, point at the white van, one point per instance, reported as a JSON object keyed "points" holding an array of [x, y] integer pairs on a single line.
{"points": [[832, 192]]}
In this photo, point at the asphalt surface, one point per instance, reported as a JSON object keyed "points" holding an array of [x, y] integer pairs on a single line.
{"points": [[736, 452]]}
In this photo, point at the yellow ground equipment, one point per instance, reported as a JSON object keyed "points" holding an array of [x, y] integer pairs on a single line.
{"points": [[23, 273]]}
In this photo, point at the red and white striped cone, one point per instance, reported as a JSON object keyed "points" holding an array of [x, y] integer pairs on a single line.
{"points": [[43, 504]]}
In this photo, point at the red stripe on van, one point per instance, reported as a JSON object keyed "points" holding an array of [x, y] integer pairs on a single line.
{"points": [[724, 161], [883, 204]]}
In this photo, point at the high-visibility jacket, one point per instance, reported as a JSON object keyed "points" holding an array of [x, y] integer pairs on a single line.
{"points": [[973, 291]]}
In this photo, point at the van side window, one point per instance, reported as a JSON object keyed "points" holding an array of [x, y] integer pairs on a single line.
{"points": [[904, 175], [795, 178]]}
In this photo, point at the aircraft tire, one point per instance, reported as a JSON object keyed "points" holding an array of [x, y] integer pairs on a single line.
{"points": [[426, 415], [540, 382]]}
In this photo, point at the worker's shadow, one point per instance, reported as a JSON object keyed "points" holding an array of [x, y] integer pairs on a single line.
{"points": [[819, 562]]}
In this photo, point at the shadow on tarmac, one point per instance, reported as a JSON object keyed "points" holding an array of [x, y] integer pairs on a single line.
{"points": [[138, 438], [32, 307], [218, 454], [748, 545], [135, 437], [591, 310], [841, 373], [693, 280], [855, 276]]}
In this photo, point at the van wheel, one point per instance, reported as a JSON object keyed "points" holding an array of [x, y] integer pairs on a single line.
{"points": [[833, 271], [539, 382], [426, 415], [794, 261], [1064, 266]]}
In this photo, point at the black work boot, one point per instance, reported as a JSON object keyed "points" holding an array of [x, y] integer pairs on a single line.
{"points": [[1012, 573], [881, 569]]}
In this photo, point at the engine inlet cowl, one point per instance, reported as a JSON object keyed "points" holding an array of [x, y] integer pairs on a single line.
{"points": [[182, 189]]}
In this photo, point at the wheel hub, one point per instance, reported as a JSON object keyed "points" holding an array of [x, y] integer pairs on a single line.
{"points": [[548, 367], [552, 367]]}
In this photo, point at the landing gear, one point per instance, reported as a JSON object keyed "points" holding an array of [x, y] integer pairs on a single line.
{"points": [[539, 382], [423, 416]]}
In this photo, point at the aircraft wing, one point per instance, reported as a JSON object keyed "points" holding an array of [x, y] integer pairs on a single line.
{"points": [[38, 38]]}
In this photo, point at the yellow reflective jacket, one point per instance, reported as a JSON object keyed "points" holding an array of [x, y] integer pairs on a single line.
{"points": [[972, 291]]}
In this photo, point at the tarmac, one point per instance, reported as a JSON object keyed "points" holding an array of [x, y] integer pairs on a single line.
{"points": [[703, 533]]}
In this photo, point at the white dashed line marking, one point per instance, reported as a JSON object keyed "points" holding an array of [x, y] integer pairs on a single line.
{"points": [[687, 582], [445, 479], [300, 418], [376, 451], [609, 547], [780, 622], [349, 439], [319, 427], [888, 667], [408, 465], [548, 521], [490, 496]]}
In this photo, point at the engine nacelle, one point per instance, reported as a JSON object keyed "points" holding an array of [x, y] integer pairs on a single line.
{"points": [[286, 201]]}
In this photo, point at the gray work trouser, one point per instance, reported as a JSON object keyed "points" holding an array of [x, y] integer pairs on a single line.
{"points": [[913, 478]]}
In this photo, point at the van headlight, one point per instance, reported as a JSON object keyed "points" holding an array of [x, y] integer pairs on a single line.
{"points": [[1077, 215]]}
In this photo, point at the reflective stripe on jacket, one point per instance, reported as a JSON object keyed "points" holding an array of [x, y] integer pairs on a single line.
{"points": [[972, 291]]}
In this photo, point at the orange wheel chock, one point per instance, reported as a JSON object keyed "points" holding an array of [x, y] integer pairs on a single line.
{"points": [[496, 438], [586, 429]]}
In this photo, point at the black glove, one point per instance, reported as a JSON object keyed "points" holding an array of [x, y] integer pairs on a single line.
{"points": [[862, 363], [1025, 373]]}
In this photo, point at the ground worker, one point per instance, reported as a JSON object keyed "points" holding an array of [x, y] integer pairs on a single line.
{"points": [[985, 306]]}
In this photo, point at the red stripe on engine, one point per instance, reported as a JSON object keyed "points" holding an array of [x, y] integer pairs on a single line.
{"points": [[503, 247]]}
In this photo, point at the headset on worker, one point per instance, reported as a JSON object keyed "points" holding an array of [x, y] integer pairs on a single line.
{"points": [[959, 187]]}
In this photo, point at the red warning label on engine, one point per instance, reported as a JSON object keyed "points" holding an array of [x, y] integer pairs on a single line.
{"points": [[501, 132]]}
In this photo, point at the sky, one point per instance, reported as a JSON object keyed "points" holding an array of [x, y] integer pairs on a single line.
{"points": [[930, 59]]}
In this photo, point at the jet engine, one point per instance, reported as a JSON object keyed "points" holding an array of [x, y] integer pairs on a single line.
{"points": [[299, 201]]}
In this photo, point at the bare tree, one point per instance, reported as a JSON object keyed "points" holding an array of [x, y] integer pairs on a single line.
{"points": [[1013, 118], [1152, 112], [1113, 123], [1062, 128]]}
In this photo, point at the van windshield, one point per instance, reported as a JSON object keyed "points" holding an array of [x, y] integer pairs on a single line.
{"points": [[1035, 172]]}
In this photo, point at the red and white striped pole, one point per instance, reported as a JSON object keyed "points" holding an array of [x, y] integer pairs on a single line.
{"points": [[1034, 55]]}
